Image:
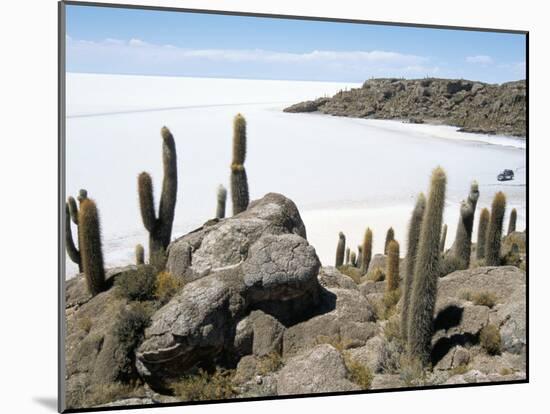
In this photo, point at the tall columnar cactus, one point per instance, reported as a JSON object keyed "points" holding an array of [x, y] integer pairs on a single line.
{"points": [[494, 232], [482, 233], [71, 213], [462, 247], [239, 182], [90, 247], [443, 238], [340, 249], [140, 254], [512, 222], [347, 256], [221, 200], [359, 255], [412, 246], [160, 228], [367, 251], [392, 266], [389, 237], [353, 259], [426, 272]]}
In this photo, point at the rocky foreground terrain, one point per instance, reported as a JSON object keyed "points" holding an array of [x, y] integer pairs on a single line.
{"points": [[254, 309], [472, 106]]}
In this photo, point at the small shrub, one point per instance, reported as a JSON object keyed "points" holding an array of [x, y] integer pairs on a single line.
{"points": [[411, 371], [336, 341], [166, 286], [485, 299], [392, 329], [358, 373], [128, 330], [490, 340], [269, 363], [506, 371], [460, 369], [377, 275], [353, 272], [203, 386], [137, 284], [466, 295], [85, 323]]}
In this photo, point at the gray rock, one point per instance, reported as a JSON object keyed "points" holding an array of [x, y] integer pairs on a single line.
{"points": [[321, 369], [387, 381], [371, 355]]}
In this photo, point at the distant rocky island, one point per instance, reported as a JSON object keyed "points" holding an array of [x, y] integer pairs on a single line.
{"points": [[471, 106]]}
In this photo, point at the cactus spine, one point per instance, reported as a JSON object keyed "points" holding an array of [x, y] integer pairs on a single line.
{"points": [[160, 228], [426, 272], [367, 251], [389, 237], [482, 233], [347, 256], [494, 232], [90, 247], [412, 246], [221, 198], [340, 248], [392, 266], [239, 182], [140, 255], [462, 247], [71, 213], [443, 238], [512, 222]]}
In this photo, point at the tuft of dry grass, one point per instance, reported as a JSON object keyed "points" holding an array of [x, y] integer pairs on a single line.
{"points": [[483, 298], [269, 363], [358, 373], [411, 371], [166, 286], [376, 275], [336, 341], [353, 272], [490, 340], [460, 369], [205, 387]]}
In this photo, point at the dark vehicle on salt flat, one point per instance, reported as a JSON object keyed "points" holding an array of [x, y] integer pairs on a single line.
{"points": [[506, 175]]}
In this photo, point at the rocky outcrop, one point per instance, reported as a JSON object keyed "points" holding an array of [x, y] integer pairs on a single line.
{"points": [[259, 260], [472, 106]]}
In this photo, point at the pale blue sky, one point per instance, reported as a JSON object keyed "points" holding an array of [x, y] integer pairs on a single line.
{"points": [[133, 41]]}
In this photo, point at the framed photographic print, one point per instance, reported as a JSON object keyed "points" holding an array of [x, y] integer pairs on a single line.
{"points": [[266, 206]]}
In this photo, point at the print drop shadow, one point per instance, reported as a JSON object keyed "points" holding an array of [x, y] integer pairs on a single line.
{"points": [[446, 319]]}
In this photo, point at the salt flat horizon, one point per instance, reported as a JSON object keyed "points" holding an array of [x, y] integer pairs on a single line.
{"points": [[344, 174]]}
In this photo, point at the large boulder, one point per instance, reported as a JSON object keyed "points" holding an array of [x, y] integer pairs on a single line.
{"points": [[272, 268], [321, 369]]}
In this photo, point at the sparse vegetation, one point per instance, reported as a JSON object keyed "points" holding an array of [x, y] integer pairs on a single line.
{"points": [[203, 386], [352, 272], [166, 286], [490, 340], [376, 275], [269, 363], [137, 284], [358, 373]]}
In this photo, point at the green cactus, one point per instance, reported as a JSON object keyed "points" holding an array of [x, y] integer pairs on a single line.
{"points": [[389, 237], [359, 255], [462, 246], [392, 266], [140, 255], [239, 182], [353, 259], [160, 228], [443, 238], [482, 233], [71, 213], [221, 198], [347, 256], [512, 222], [90, 247], [367, 251], [412, 246], [426, 272], [340, 249], [494, 232]]}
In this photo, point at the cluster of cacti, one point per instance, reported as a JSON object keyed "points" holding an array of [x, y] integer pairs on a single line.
{"points": [[392, 266], [340, 249], [239, 182], [494, 232], [221, 201], [389, 237], [426, 272], [71, 213], [160, 228], [413, 236], [462, 246], [367, 251], [512, 222], [443, 238], [89, 241], [482, 233]]}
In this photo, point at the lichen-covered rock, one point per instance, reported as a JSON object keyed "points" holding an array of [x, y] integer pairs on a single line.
{"points": [[321, 369]]}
